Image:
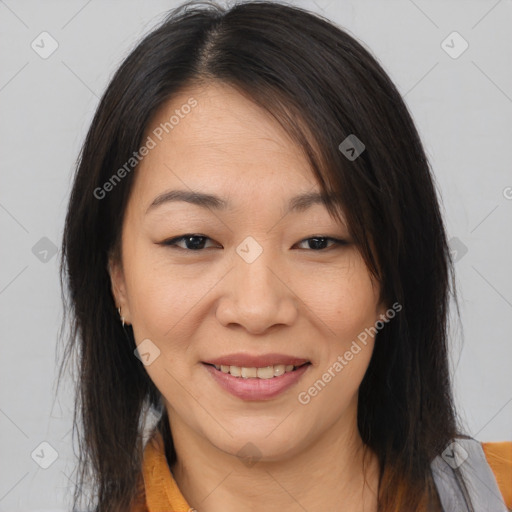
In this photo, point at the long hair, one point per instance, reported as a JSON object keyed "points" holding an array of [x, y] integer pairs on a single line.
{"points": [[322, 86]]}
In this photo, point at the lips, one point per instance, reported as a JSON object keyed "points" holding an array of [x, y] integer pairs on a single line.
{"points": [[250, 361], [256, 377]]}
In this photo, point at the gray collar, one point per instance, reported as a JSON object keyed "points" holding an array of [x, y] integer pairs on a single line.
{"points": [[465, 481]]}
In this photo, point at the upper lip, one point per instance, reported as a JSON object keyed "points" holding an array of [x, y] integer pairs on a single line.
{"points": [[256, 361]]}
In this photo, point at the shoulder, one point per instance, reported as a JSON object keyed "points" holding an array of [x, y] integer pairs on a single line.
{"points": [[499, 458], [471, 473], [139, 504]]}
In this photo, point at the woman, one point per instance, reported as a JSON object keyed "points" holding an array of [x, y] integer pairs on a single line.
{"points": [[254, 204]]}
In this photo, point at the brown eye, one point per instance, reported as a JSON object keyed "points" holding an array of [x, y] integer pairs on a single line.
{"points": [[192, 242], [318, 243]]}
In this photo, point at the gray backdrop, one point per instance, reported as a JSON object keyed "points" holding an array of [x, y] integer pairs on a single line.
{"points": [[56, 59]]}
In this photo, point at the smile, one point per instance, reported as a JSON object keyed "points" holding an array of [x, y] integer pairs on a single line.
{"points": [[254, 383], [266, 372]]}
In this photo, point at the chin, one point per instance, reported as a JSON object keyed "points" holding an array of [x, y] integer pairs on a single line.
{"points": [[267, 441]]}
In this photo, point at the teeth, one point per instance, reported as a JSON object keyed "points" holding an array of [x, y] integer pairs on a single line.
{"points": [[267, 372], [279, 369], [248, 372], [236, 371]]}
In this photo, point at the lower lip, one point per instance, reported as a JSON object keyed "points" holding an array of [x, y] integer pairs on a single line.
{"points": [[254, 388]]}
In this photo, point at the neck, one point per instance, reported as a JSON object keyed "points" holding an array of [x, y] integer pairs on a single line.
{"points": [[326, 475]]}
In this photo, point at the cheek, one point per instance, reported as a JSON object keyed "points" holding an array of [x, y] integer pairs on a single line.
{"points": [[162, 301], [163, 296], [349, 310], [343, 299]]}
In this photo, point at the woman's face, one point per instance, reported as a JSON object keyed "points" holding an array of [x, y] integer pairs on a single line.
{"points": [[260, 284]]}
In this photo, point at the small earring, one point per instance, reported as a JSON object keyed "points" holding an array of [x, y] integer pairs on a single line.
{"points": [[122, 319]]}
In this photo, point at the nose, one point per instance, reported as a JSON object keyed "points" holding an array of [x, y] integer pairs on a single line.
{"points": [[257, 296]]}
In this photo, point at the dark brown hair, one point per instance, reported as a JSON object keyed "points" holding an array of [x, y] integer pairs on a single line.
{"points": [[322, 86]]}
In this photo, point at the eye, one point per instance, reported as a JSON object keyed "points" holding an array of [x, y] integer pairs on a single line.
{"points": [[192, 242], [319, 242], [195, 242]]}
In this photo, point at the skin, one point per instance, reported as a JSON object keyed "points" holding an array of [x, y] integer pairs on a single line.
{"points": [[293, 299]]}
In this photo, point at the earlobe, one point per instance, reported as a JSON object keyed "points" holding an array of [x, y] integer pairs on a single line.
{"points": [[382, 310], [118, 288]]}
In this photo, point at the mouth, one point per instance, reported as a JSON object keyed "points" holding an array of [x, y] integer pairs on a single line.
{"points": [[264, 372], [254, 378]]}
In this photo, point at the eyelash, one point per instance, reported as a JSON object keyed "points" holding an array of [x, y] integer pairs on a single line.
{"points": [[173, 241]]}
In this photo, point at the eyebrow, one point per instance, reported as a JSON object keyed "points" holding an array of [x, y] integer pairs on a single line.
{"points": [[299, 203]]}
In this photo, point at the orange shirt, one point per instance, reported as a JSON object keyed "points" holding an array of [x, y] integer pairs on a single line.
{"points": [[158, 491], [499, 457]]}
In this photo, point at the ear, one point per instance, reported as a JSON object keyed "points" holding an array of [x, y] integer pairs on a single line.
{"points": [[118, 287], [381, 309], [382, 306]]}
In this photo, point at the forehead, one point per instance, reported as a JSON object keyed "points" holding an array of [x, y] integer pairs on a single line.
{"points": [[215, 136]]}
